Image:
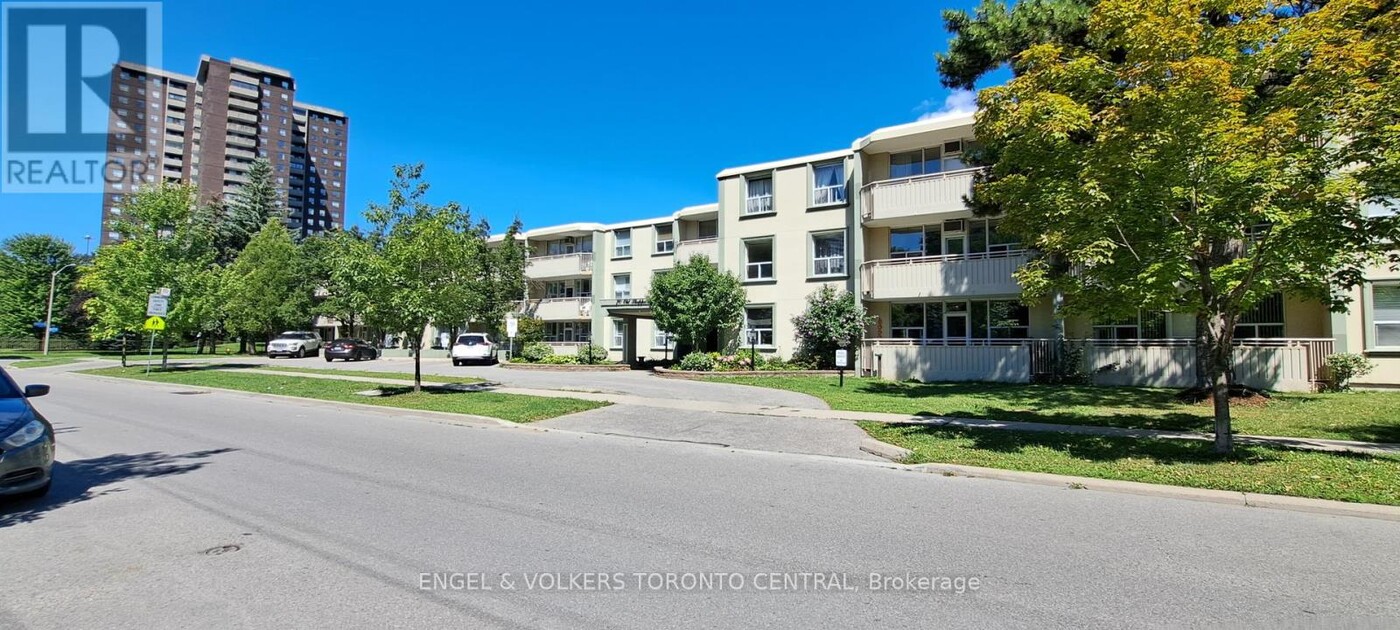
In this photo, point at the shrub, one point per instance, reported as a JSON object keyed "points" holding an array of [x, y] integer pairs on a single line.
{"points": [[1344, 367], [698, 362], [592, 353], [831, 319], [535, 352], [560, 359]]}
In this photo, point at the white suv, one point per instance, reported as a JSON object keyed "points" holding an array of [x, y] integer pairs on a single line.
{"points": [[473, 347], [295, 344]]}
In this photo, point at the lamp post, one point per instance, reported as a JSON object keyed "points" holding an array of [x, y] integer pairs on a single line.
{"points": [[48, 316], [753, 343]]}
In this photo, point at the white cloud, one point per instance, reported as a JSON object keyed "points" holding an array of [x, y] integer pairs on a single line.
{"points": [[956, 103]]}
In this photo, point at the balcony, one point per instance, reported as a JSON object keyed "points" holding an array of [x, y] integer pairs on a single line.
{"points": [[560, 266], [707, 247], [245, 117], [554, 309], [921, 195], [964, 275]]}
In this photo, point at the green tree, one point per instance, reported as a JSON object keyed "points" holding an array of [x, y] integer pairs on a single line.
{"points": [[1198, 156], [997, 33], [267, 288], [831, 318], [694, 299], [161, 246], [428, 266], [342, 262], [504, 266], [248, 210], [27, 262]]}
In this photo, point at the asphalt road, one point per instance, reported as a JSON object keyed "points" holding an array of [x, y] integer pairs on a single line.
{"points": [[328, 517]]}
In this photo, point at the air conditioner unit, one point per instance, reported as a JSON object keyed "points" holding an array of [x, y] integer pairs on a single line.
{"points": [[955, 225]]}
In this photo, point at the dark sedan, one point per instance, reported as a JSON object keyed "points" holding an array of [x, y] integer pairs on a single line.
{"points": [[26, 442], [350, 350]]}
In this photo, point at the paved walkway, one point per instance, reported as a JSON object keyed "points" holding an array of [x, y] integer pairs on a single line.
{"points": [[749, 409]]}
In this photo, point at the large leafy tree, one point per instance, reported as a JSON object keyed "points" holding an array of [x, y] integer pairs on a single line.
{"points": [[162, 245], [267, 288], [832, 318], [694, 299], [505, 274], [1197, 156], [996, 33], [428, 264], [342, 262], [27, 262], [249, 209]]}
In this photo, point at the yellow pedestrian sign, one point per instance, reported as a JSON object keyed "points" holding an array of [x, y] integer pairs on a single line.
{"points": [[155, 323]]}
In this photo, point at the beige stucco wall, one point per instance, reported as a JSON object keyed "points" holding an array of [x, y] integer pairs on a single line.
{"points": [[1360, 334]]}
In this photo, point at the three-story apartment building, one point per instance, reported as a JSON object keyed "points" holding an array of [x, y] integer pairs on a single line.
{"points": [[886, 219]]}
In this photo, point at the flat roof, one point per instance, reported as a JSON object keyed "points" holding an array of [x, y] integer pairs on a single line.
{"points": [[935, 123], [324, 110], [156, 71], [794, 161]]}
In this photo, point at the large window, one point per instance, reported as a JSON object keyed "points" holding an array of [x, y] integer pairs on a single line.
{"points": [[1264, 321], [568, 288], [758, 326], [566, 332], [759, 195], [708, 229], [622, 286], [619, 333], [960, 321], [659, 338], [665, 239], [829, 184], [983, 236], [1144, 325], [940, 159], [622, 243], [1386, 310], [828, 253], [758, 259]]}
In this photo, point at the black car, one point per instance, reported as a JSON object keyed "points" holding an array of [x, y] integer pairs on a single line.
{"points": [[26, 442], [350, 350]]}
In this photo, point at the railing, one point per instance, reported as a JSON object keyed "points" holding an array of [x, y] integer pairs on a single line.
{"points": [[987, 273], [708, 247], [573, 264], [759, 205], [917, 195], [826, 195], [557, 308]]}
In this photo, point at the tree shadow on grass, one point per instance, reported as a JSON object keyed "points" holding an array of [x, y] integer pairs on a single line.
{"points": [[1160, 422], [79, 480], [176, 368], [1035, 396]]}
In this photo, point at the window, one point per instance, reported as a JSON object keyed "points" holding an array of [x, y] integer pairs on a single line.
{"points": [[829, 253], [1008, 319], [660, 338], [983, 237], [622, 286], [907, 321], [1264, 321], [758, 259], [665, 243], [759, 195], [948, 157], [907, 242], [758, 326], [622, 244], [1145, 325], [1386, 309], [619, 333], [709, 229], [829, 184]]}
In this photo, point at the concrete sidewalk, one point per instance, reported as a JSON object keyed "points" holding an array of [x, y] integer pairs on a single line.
{"points": [[1314, 444]]}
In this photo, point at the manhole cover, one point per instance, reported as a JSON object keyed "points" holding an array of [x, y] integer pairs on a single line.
{"points": [[221, 550], [188, 393]]}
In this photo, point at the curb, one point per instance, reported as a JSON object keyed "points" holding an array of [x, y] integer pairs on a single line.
{"points": [[565, 367], [1205, 495], [896, 454]]}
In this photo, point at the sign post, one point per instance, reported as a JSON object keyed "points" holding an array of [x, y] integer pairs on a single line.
{"points": [[157, 305], [512, 327], [843, 359]]}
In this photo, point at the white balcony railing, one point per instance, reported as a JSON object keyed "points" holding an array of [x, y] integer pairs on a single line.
{"points": [[828, 195], [560, 265], [942, 276], [558, 309], [915, 196], [762, 204], [707, 247]]}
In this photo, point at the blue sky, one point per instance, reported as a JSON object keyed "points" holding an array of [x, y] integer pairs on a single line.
{"points": [[562, 112]]}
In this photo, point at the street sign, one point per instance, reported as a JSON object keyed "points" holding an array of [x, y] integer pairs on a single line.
{"points": [[157, 305], [154, 323], [512, 326], [843, 358]]}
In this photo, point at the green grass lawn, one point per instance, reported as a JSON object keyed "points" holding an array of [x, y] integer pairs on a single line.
{"points": [[1364, 416], [46, 362], [512, 407], [402, 376], [223, 349], [1258, 469]]}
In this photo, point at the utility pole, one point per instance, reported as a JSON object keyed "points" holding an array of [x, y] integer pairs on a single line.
{"points": [[48, 316]]}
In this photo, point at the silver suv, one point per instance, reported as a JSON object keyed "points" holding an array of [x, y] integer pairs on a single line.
{"points": [[295, 344]]}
